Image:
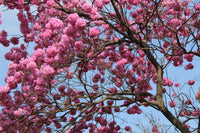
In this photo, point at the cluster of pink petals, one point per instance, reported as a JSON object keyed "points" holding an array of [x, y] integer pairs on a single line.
{"points": [[172, 103], [0, 19], [4, 89], [197, 7], [93, 32], [155, 129], [133, 110], [189, 66], [167, 82], [47, 70], [3, 38], [191, 82]]}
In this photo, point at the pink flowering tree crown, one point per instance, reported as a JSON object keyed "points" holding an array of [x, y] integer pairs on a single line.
{"points": [[93, 60]]}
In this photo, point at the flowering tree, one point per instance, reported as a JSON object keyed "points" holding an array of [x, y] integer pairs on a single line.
{"points": [[95, 59]]}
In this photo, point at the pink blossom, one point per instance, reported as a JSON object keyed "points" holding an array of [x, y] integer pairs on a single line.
{"points": [[96, 78], [196, 113], [119, 82], [166, 45], [134, 2], [48, 129], [134, 14], [0, 23], [177, 84], [189, 57], [191, 82], [110, 102], [188, 101], [61, 88], [113, 90], [73, 111], [75, 2], [197, 7], [117, 109], [3, 38], [122, 62], [47, 70], [164, 90], [177, 7], [128, 128], [36, 26], [182, 113], [87, 7], [187, 125], [73, 18], [57, 125], [94, 32], [174, 94], [51, 51], [102, 80], [170, 82], [78, 45], [189, 66], [165, 81], [18, 112], [38, 54], [155, 129], [69, 75], [51, 3], [69, 30], [11, 82], [98, 4], [172, 103], [14, 40], [54, 23], [94, 14], [80, 24], [105, 2], [46, 34], [40, 81], [187, 12], [31, 65], [4, 89]]}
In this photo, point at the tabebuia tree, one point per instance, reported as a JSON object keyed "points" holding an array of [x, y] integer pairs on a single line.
{"points": [[93, 60]]}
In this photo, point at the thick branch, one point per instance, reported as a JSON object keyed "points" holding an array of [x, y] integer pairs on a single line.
{"points": [[174, 120]]}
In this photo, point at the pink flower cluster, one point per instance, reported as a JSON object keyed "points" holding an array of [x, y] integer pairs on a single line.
{"points": [[96, 78], [4, 89], [172, 103], [3, 38], [155, 129], [133, 110], [46, 70], [189, 66], [189, 57], [93, 32], [54, 23], [191, 82], [0, 19], [167, 82], [188, 102], [197, 7]]}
